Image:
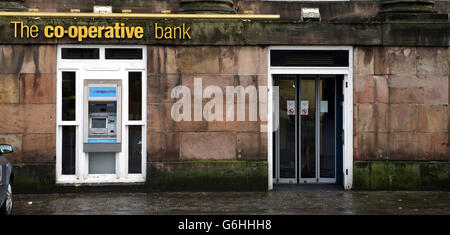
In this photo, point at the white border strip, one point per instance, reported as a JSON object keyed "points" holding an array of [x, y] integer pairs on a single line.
{"points": [[84, 69]]}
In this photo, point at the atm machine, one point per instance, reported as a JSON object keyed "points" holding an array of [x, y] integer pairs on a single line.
{"points": [[102, 125]]}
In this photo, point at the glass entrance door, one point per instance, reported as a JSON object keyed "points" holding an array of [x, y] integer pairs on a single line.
{"points": [[305, 149], [286, 159]]}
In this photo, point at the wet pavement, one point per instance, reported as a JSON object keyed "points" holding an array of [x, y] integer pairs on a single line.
{"points": [[282, 201]]}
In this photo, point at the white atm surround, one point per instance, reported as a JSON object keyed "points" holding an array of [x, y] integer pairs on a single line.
{"points": [[100, 69]]}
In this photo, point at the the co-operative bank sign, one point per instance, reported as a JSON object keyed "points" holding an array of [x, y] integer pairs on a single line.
{"points": [[115, 31]]}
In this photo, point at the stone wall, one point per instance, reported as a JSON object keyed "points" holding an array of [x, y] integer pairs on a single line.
{"points": [[155, 6], [288, 10], [401, 98], [28, 107], [401, 117], [401, 103], [28, 102], [203, 140]]}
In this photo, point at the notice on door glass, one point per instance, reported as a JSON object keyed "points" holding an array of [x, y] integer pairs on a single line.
{"points": [[324, 106], [304, 106], [291, 107]]}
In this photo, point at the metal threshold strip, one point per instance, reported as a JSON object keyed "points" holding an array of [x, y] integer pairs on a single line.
{"points": [[140, 15]]}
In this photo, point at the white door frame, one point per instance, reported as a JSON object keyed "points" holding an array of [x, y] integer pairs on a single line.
{"points": [[347, 107], [89, 69]]}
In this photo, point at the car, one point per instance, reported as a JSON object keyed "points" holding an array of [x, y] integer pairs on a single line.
{"points": [[6, 181]]}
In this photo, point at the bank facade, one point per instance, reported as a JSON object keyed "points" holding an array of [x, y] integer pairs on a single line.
{"points": [[223, 95]]}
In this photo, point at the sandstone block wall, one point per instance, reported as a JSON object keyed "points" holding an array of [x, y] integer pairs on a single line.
{"points": [[401, 97], [220, 66], [289, 10], [400, 102], [28, 101]]}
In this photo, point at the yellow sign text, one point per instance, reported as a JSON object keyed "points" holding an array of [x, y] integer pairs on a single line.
{"points": [[180, 32], [115, 31], [80, 32]]}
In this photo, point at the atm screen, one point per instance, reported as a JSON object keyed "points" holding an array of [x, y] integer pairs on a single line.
{"points": [[98, 123]]}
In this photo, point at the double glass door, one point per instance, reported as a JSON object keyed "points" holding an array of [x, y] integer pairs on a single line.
{"points": [[306, 139]]}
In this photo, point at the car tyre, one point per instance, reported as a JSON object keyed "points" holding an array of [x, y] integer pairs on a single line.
{"points": [[6, 208]]}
